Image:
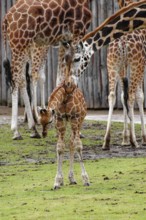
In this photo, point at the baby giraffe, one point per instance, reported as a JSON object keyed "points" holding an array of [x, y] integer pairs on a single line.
{"points": [[66, 104]]}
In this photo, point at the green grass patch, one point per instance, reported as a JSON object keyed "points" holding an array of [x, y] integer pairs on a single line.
{"points": [[28, 169]]}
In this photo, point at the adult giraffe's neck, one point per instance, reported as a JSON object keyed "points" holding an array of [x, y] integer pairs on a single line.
{"points": [[124, 21], [56, 98]]}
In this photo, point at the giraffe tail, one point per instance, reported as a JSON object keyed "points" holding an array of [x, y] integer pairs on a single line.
{"points": [[28, 82], [125, 90], [6, 62], [4, 34], [8, 74]]}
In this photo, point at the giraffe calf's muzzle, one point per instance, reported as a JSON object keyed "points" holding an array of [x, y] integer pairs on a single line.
{"points": [[44, 134]]}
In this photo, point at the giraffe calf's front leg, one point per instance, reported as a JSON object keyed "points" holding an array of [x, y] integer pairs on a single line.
{"points": [[59, 176]]}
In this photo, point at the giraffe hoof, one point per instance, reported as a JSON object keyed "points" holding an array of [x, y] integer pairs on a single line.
{"points": [[105, 148], [36, 135], [135, 145], [125, 143], [86, 184], [56, 187], [144, 143], [18, 137], [82, 136], [73, 183]]}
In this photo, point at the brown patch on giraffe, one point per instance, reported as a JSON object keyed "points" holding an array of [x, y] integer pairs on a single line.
{"points": [[34, 11], [15, 41], [48, 14], [55, 31], [24, 27], [47, 31], [56, 11], [78, 13], [70, 12], [20, 33], [65, 5], [43, 25], [53, 22], [53, 5], [17, 15], [16, 34], [22, 8], [73, 3], [22, 41], [31, 23], [13, 26], [10, 17]]}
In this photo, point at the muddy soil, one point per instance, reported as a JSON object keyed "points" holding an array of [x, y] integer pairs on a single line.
{"points": [[95, 152], [116, 148]]}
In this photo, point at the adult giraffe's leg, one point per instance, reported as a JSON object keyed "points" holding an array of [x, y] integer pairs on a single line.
{"points": [[34, 99], [60, 126], [28, 110], [126, 134], [38, 57], [136, 78], [130, 112], [19, 79], [140, 100], [132, 127], [16, 71], [14, 120], [42, 85], [111, 100]]}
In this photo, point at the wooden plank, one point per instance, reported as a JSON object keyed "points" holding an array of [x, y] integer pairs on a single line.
{"points": [[0, 53], [3, 84]]}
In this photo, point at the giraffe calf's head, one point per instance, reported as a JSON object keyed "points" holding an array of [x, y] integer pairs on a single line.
{"points": [[70, 84], [45, 118]]}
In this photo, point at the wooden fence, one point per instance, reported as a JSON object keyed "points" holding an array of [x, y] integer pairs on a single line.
{"points": [[94, 82]]}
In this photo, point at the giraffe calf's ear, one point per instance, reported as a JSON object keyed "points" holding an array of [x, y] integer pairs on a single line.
{"points": [[53, 112], [42, 111]]}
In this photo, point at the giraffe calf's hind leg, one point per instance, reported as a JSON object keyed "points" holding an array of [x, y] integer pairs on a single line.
{"points": [[71, 172]]}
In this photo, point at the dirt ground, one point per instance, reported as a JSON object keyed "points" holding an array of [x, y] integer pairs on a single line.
{"points": [[96, 152]]}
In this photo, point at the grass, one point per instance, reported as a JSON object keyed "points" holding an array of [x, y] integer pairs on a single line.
{"points": [[117, 189]]}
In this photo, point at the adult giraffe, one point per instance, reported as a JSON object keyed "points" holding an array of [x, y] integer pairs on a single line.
{"points": [[127, 51], [42, 23], [135, 56]]}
